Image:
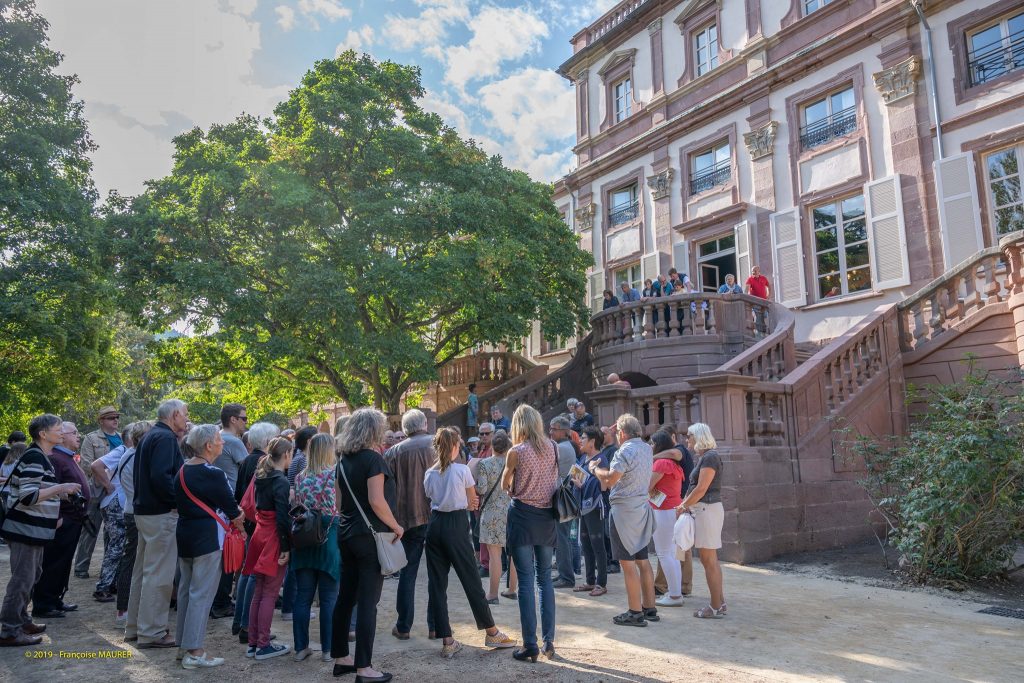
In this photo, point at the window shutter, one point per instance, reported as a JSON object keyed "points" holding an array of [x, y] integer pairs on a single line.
{"points": [[788, 253], [597, 291], [649, 266], [681, 258], [887, 234], [959, 213], [743, 263]]}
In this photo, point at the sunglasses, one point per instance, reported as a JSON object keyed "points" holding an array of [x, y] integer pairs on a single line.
{"points": [[486, 433]]}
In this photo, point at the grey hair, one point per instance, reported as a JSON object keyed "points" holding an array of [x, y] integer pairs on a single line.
{"points": [[168, 408], [364, 429], [260, 435], [40, 423], [199, 436], [501, 442], [137, 430], [571, 403], [629, 425], [486, 424], [414, 421], [559, 423]]}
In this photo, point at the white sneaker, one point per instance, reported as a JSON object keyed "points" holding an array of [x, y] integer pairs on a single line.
{"points": [[668, 601], [251, 652], [326, 656], [301, 655], [121, 621], [204, 662]]}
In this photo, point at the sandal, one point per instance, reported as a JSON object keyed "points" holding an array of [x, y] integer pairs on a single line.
{"points": [[721, 610], [708, 612], [585, 588], [511, 595], [629, 618], [598, 591]]}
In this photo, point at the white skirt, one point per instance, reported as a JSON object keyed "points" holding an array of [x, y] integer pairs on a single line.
{"points": [[709, 519]]}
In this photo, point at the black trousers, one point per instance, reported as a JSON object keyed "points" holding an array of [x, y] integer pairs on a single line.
{"points": [[592, 540], [449, 545], [222, 598], [58, 556], [127, 563], [361, 583]]}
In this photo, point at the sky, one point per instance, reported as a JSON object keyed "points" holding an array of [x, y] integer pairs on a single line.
{"points": [[151, 69]]}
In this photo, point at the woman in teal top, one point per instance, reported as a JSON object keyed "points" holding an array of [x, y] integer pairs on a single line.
{"points": [[317, 567]]}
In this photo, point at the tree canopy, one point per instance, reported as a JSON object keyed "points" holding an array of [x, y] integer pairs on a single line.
{"points": [[350, 244]]}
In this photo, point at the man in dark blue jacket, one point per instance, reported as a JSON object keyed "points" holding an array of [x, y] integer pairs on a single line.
{"points": [[157, 461]]}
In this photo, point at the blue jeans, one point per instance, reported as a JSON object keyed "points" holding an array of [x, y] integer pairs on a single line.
{"points": [[288, 592], [533, 562], [307, 581], [567, 554], [243, 596], [413, 541]]}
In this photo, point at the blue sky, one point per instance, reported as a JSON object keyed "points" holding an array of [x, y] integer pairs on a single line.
{"points": [[151, 69]]}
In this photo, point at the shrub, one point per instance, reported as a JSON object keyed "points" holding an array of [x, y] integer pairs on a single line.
{"points": [[952, 490]]}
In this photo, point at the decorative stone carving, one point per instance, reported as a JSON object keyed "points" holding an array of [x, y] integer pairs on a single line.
{"points": [[761, 142], [899, 80], [654, 26], [581, 77], [661, 183], [585, 217]]}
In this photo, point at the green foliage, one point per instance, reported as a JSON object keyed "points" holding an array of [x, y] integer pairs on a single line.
{"points": [[952, 490], [351, 242], [55, 332]]}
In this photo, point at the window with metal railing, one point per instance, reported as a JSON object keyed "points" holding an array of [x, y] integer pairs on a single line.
{"points": [[710, 168], [828, 118], [996, 49], [625, 205]]}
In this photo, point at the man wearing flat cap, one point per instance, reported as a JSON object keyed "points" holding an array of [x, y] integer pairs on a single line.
{"points": [[95, 445]]}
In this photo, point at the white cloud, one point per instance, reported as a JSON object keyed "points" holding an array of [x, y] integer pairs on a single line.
{"points": [[429, 28], [534, 110], [160, 69], [499, 35], [242, 7], [285, 17], [358, 40]]}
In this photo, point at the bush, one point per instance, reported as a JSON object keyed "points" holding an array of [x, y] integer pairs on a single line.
{"points": [[952, 490]]}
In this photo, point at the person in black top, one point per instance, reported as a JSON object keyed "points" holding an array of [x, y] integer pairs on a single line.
{"points": [[373, 488], [199, 540], [157, 461]]}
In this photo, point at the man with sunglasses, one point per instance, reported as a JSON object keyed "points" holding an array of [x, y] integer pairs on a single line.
{"points": [[95, 445], [234, 420]]}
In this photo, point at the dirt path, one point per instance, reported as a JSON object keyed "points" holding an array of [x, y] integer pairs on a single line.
{"points": [[781, 627]]}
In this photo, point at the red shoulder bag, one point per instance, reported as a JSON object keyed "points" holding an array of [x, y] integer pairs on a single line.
{"points": [[234, 540]]}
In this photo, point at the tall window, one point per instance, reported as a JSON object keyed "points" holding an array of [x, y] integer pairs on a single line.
{"points": [[1004, 190], [705, 48], [841, 247], [996, 49], [828, 118], [623, 95], [814, 5], [631, 276], [625, 206], [710, 168]]}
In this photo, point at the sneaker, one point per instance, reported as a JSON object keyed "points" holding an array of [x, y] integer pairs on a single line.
{"points": [[271, 651], [302, 655], [450, 650], [499, 640], [326, 657], [286, 616], [121, 620], [204, 662], [251, 651], [669, 601]]}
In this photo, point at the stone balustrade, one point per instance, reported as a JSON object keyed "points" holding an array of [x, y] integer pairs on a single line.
{"points": [[484, 367], [772, 358], [613, 18], [677, 405], [548, 395]]}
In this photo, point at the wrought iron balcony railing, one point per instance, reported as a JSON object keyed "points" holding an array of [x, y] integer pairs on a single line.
{"points": [[995, 59], [710, 177], [835, 126], [624, 213]]}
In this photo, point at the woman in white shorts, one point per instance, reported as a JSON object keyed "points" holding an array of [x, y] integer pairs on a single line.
{"points": [[704, 499]]}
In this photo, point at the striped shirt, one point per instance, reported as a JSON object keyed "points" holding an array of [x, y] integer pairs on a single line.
{"points": [[31, 522]]}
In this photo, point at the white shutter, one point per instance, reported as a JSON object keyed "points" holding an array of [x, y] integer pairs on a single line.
{"points": [[959, 213], [681, 257], [743, 264], [788, 253], [597, 291], [649, 266], [887, 234]]}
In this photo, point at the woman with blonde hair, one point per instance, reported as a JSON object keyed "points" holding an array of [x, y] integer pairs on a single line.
{"points": [[317, 568], [449, 486], [704, 500], [531, 479]]}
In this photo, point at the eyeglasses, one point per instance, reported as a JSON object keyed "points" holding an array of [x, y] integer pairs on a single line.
{"points": [[243, 418], [486, 433]]}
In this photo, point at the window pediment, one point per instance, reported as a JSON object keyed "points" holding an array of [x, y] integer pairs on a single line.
{"points": [[692, 8], [616, 59]]}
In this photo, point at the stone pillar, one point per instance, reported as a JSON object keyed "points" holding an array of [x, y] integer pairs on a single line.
{"points": [[607, 403], [760, 143], [723, 407], [582, 105], [660, 185]]}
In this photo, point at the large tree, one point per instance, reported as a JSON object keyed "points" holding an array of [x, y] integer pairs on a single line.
{"points": [[351, 241], [54, 336]]}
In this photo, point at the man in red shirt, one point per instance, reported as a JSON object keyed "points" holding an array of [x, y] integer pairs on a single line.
{"points": [[758, 285]]}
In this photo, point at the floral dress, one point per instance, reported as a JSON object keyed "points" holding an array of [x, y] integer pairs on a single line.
{"points": [[493, 516]]}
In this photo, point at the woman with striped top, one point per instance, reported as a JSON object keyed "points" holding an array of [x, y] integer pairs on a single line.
{"points": [[33, 504]]}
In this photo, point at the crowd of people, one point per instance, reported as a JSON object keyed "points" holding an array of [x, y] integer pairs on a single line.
{"points": [[679, 283], [317, 511]]}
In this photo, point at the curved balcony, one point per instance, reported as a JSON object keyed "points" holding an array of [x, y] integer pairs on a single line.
{"points": [[669, 339]]}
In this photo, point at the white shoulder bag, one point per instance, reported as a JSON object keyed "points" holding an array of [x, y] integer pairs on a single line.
{"points": [[390, 553]]}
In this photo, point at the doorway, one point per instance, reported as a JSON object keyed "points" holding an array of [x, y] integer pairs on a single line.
{"points": [[716, 258]]}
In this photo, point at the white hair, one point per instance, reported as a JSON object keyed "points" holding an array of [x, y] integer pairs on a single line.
{"points": [[260, 435], [166, 410], [414, 421], [629, 425], [703, 440], [199, 436]]}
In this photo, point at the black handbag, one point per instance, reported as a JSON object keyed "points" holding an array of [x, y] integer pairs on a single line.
{"points": [[307, 528], [564, 503]]}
